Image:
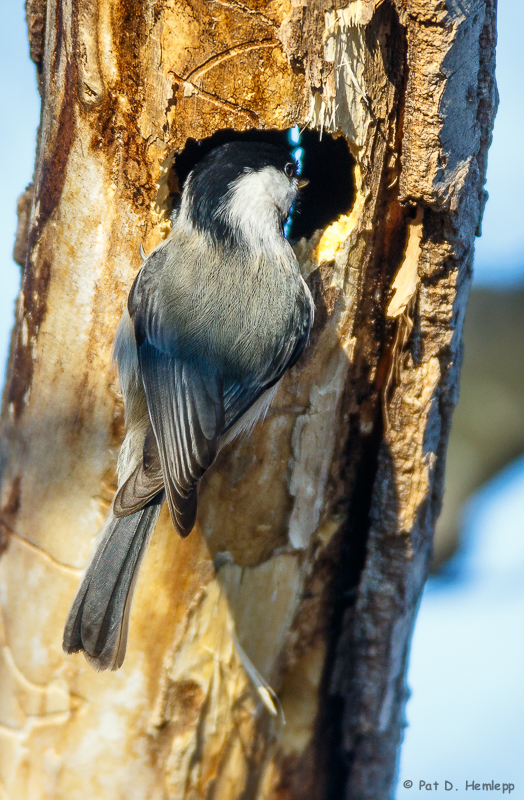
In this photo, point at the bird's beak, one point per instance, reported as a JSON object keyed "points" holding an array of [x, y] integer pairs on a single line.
{"points": [[302, 183]]}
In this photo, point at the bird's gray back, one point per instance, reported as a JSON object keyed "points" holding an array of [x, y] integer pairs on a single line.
{"points": [[225, 308]]}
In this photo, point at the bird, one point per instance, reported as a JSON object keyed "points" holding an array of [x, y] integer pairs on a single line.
{"points": [[216, 316]]}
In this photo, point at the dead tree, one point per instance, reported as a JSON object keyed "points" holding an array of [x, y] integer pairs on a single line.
{"points": [[314, 535]]}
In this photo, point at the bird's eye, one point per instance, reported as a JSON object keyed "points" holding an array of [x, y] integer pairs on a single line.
{"points": [[290, 169]]}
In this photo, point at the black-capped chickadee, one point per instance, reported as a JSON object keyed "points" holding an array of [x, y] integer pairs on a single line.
{"points": [[217, 314]]}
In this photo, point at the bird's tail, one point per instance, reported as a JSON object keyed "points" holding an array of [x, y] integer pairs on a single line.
{"points": [[98, 621]]}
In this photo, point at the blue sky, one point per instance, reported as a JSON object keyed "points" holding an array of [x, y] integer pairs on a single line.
{"points": [[20, 106], [500, 251], [467, 670]]}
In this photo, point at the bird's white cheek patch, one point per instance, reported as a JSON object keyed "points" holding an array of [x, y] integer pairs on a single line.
{"points": [[258, 200]]}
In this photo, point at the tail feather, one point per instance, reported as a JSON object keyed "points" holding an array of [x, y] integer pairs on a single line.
{"points": [[99, 618]]}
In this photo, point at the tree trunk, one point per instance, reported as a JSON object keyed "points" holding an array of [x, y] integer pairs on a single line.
{"points": [[314, 534]]}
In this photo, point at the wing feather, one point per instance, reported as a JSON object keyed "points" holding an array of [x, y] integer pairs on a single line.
{"points": [[186, 413], [240, 396], [144, 483]]}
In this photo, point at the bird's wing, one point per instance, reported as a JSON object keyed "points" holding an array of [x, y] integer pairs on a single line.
{"points": [[189, 414], [186, 413], [240, 396], [185, 407], [144, 483]]}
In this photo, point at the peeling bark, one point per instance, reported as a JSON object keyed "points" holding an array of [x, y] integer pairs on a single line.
{"points": [[313, 537]]}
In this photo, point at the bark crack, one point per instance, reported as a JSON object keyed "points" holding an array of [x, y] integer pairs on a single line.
{"points": [[232, 52], [41, 552]]}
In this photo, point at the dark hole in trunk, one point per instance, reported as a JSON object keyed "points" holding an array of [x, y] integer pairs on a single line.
{"points": [[326, 162]]}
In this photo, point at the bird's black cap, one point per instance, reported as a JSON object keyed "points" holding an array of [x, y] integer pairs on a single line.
{"points": [[212, 177]]}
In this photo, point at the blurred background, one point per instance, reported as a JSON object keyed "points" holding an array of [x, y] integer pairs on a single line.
{"points": [[466, 713]]}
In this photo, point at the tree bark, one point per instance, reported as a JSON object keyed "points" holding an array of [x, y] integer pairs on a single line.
{"points": [[313, 537]]}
